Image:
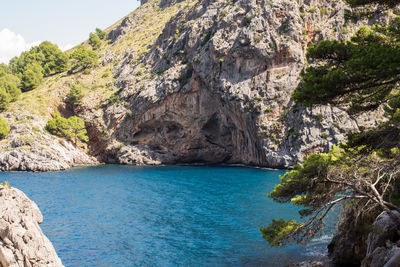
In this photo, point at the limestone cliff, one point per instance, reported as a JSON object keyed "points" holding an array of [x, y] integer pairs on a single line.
{"points": [[22, 242], [193, 81], [206, 81], [215, 87]]}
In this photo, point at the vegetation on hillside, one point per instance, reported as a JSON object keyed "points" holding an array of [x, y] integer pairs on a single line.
{"points": [[40, 61], [72, 128], [53, 88], [94, 41], [9, 87], [358, 75], [4, 128], [83, 59], [76, 94], [28, 71]]}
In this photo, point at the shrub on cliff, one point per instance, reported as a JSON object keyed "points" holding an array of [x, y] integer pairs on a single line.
{"points": [[76, 94], [72, 128], [9, 87], [94, 41], [84, 59], [32, 76], [4, 128], [100, 33]]}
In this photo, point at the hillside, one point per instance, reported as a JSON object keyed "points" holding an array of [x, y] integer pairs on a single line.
{"points": [[190, 82]]}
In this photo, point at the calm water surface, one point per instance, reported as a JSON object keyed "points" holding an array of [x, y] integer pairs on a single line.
{"points": [[161, 216]]}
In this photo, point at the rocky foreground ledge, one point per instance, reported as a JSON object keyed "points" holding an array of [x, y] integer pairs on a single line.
{"points": [[22, 242]]}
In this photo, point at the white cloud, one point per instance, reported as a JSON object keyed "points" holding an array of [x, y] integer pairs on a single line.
{"points": [[12, 44], [66, 47]]}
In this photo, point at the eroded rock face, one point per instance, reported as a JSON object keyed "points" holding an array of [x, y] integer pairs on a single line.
{"points": [[22, 242], [353, 246], [216, 87], [383, 242], [193, 127], [29, 147]]}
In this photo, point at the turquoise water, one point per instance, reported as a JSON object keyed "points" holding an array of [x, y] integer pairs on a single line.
{"points": [[161, 216]]}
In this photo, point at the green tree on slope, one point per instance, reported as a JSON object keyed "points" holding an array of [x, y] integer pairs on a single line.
{"points": [[75, 94], [100, 33], [4, 129], [94, 41], [84, 59], [40, 61], [9, 87], [72, 128], [47, 55], [32, 77]]}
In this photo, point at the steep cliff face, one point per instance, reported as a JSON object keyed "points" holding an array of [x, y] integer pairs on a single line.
{"points": [[215, 87], [206, 81], [22, 243]]}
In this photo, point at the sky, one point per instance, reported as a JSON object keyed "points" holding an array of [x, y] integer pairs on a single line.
{"points": [[26, 23]]}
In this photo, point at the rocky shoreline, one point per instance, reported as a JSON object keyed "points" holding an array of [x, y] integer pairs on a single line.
{"points": [[22, 242], [215, 93]]}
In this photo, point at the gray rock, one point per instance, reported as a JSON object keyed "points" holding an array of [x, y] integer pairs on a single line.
{"points": [[215, 87], [382, 249], [22, 243], [28, 147], [231, 69]]}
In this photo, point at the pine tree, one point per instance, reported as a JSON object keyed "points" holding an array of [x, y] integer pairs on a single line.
{"points": [[4, 129], [84, 59], [359, 75]]}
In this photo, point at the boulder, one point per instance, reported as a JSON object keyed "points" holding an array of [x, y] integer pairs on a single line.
{"points": [[22, 242], [382, 243]]}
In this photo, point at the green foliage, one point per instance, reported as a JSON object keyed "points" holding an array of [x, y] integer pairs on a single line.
{"points": [[83, 59], [32, 76], [4, 128], [77, 129], [248, 20], [41, 61], [72, 128], [76, 94], [9, 87], [325, 135], [94, 41], [298, 181], [114, 99], [47, 55], [361, 74], [206, 37], [363, 69], [100, 33], [53, 59], [278, 230], [176, 35]]}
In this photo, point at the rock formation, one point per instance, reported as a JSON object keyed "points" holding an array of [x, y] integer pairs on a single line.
{"points": [[205, 82], [29, 147], [22, 242], [375, 248], [383, 244], [198, 81], [215, 87]]}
